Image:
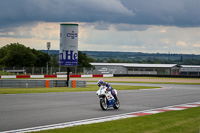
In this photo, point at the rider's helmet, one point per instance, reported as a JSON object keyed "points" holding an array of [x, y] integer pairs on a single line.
{"points": [[100, 82]]}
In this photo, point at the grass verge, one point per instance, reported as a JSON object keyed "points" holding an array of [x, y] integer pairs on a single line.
{"points": [[185, 121], [66, 89], [164, 80], [152, 82]]}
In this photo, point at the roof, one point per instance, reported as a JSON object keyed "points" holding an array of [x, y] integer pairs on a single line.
{"points": [[196, 66], [151, 65], [109, 64], [134, 65]]}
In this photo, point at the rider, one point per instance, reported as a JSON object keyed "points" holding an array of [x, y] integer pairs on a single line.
{"points": [[109, 88]]}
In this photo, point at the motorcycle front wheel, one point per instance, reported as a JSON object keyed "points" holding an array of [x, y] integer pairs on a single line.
{"points": [[117, 104], [103, 104]]}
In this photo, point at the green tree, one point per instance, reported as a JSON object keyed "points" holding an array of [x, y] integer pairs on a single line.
{"points": [[191, 61], [84, 60], [111, 60], [41, 58], [18, 55], [54, 61]]}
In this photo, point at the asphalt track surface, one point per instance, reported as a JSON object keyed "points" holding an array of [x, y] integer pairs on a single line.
{"points": [[18, 111]]}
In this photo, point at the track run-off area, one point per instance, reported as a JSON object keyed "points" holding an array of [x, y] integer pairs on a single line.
{"points": [[37, 110]]}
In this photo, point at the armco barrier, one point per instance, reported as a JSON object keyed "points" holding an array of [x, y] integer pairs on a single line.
{"points": [[8, 76], [62, 83], [37, 76], [50, 76], [53, 76], [59, 83], [77, 83], [10, 83], [100, 75], [75, 76], [23, 76], [27, 83]]}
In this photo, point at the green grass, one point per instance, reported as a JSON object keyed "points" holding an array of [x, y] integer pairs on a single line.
{"points": [[152, 82], [5, 73], [185, 121], [157, 78], [67, 89]]}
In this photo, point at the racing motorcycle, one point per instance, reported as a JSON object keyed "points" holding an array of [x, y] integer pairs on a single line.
{"points": [[106, 98]]}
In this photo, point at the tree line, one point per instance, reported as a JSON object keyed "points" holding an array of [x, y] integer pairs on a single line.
{"points": [[192, 61], [18, 55]]}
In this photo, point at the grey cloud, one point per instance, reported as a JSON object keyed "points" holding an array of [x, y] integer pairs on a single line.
{"points": [[129, 27], [19, 11], [101, 25], [181, 13]]}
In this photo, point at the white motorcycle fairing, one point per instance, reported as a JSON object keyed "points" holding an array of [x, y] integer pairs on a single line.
{"points": [[106, 98]]}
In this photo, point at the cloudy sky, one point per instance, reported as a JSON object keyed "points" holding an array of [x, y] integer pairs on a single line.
{"points": [[112, 25]]}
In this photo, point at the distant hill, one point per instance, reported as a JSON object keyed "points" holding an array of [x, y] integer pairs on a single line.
{"points": [[54, 52], [103, 56], [138, 56]]}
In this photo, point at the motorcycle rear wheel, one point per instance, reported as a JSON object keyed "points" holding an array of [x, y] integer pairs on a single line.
{"points": [[103, 104]]}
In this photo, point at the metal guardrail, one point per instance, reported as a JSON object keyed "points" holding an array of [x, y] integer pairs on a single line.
{"points": [[59, 83], [63, 83], [77, 84], [9, 83], [27, 83]]}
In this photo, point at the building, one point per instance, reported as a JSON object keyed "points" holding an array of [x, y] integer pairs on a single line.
{"points": [[192, 70], [131, 68]]}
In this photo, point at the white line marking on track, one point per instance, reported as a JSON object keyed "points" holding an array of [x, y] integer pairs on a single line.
{"points": [[107, 118]]}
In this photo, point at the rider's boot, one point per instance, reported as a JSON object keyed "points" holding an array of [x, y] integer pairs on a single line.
{"points": [[115, 96]]}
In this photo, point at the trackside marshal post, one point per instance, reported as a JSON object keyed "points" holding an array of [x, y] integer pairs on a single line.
{"points": [[68, 54]]}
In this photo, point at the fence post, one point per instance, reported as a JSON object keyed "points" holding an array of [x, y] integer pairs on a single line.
{"points": [[41, 70], [47, 68], [51, 71], [68, 71], [24, 71], [32, 70], [92, 71], [84, 72]]}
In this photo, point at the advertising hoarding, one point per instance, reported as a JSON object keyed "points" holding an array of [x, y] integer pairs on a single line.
{"points": [[68, 54]]}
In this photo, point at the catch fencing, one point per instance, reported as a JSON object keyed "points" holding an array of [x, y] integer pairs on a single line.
{"points": [[45, 70]]}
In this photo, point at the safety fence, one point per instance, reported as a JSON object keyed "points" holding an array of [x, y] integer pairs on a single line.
{"points": [[45, 70], [9, 83], [24, 83]]}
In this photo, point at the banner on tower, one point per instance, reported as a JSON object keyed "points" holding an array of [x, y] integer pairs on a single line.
{"points": [[68, 54]]}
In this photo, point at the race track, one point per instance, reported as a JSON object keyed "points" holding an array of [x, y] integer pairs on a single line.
{"points": [[18, 111]]}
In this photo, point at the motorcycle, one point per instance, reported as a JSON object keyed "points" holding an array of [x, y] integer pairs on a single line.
{"points": [[107, 100]]}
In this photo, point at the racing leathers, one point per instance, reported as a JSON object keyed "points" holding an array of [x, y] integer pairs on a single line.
{"points": [[109, 88]]}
